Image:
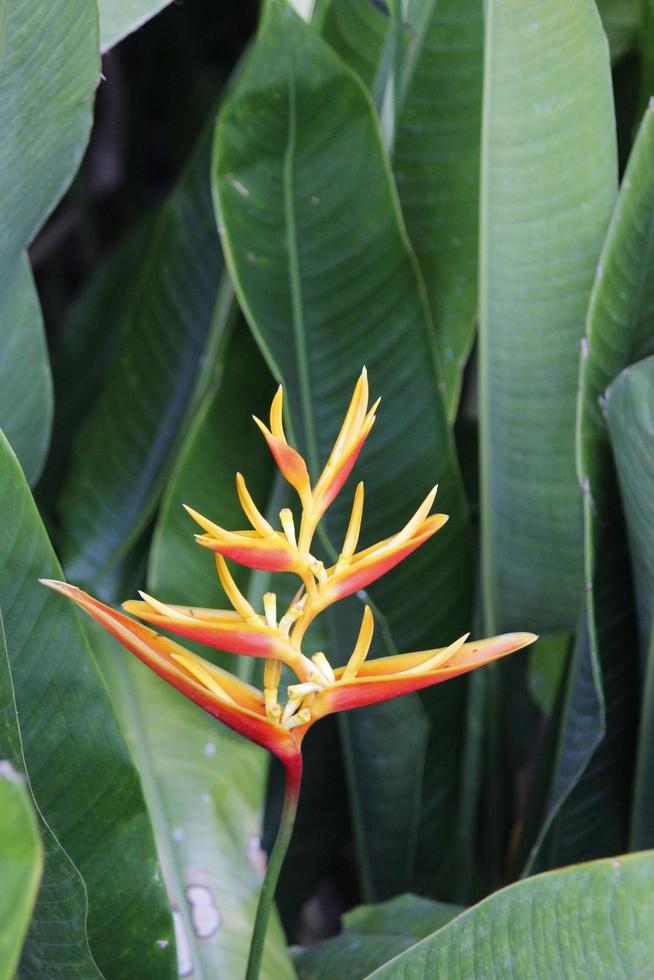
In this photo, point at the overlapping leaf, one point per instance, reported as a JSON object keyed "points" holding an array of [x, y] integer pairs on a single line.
{"points": [[630, 413], [118, 18], [588, 920], [49, 70], [372, 935], [21, 862], [56, 941], [81, 774], [126, 446], [547, 188], [620, 328], [435, 139]]}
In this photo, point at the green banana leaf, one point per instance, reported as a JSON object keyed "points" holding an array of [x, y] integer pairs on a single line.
{"points": [[82, 777], [548, 182], [175, 323], [50, 68], [56, 944], [372, 935], [21, 864], [601, 695], [630, 408], [590, 920], [328, 282], [435, 139], [620, 21]]}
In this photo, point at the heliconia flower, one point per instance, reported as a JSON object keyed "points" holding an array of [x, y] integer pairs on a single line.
{"points": [[320, 690], [243, 708]]}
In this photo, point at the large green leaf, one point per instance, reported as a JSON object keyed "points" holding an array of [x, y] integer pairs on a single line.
{"points": [[547, 188], [357, 31], [82, 777], [328, 282], [127, 444], [56, 942], [436, 165], [590, 776], [118, 18], [435, 139], [630, 413], [591, 920], [620, 328], [646, 51], [49, 67], [620, 21], [25, 383], [372, 935], [21, 863]]}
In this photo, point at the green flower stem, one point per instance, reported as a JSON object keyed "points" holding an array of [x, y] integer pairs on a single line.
{"points": [[289, 811]]}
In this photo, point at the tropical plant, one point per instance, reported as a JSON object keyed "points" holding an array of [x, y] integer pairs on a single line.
{"points": [[459, 195]]}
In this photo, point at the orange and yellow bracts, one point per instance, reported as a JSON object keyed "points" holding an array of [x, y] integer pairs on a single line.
{"points": [[277, 635]]}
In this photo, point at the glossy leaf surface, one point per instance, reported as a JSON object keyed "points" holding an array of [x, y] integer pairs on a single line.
{"points": [[83, 779], [21, 863], [630, 413], [372, 935], [547, 188], [588, 920], [56, 941], [125, 448], [50, 67]]}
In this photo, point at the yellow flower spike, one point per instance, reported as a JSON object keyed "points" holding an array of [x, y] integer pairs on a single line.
{"points": [[324, 666], [354, 526], [270, 609], [202, 675], [288, 525], [362, 646], [277, 415], [251, 511], [272, 673], [438, 660], [233, 593]]}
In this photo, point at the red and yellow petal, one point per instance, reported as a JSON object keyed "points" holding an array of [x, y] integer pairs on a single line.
{"points": [[371, 564], [390, 677], [289, 461], [272, 554], [242, 710], [232, 635]]}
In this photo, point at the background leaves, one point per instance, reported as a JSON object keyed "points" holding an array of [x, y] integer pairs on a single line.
{"points": [[82, 777]]}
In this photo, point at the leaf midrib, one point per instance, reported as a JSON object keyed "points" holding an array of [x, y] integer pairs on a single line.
{"points": [[294, 277]]}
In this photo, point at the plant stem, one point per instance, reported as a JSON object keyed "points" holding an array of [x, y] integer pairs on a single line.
{"points": [[278, 853]]}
